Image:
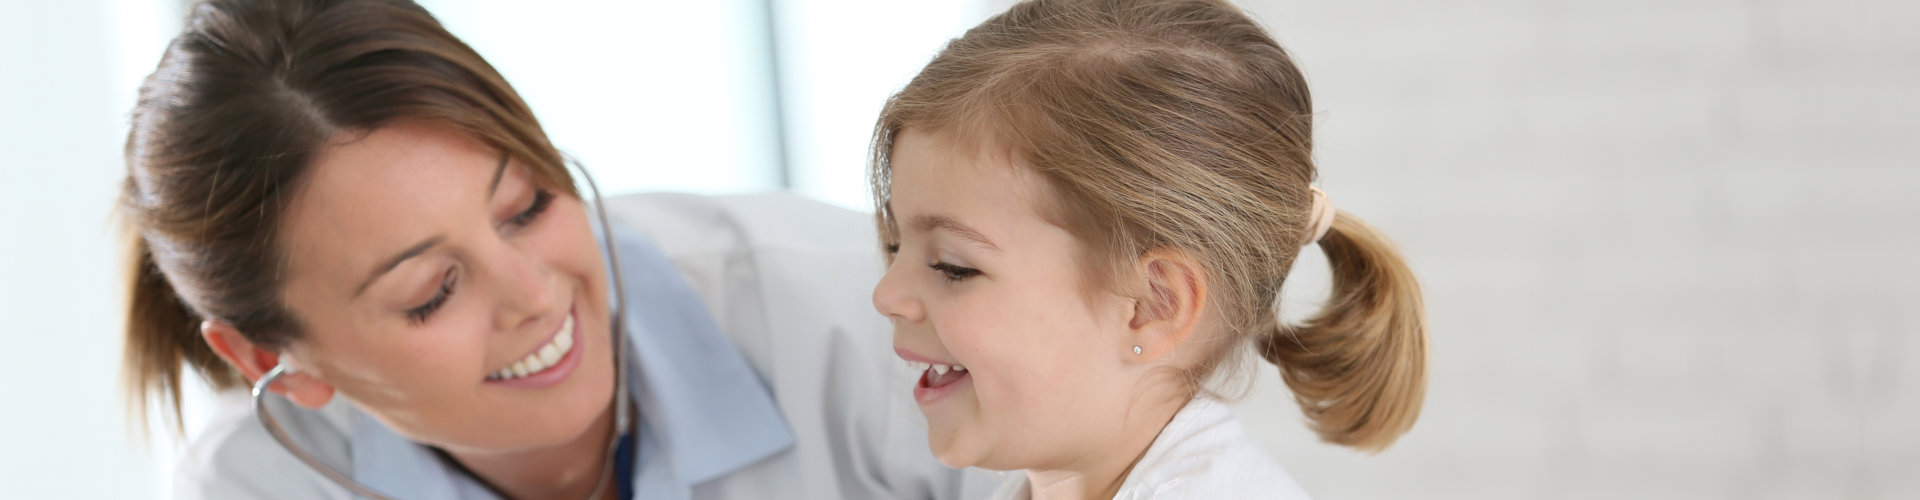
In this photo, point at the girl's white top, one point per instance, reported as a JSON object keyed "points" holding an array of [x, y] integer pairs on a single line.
{"points": [[1202, 454]]}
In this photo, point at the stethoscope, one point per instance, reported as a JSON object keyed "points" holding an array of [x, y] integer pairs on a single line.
{"points": [[621, 406]]}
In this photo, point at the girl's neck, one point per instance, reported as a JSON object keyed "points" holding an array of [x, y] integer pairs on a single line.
{"points": [[1098, 473], [569, 471]]}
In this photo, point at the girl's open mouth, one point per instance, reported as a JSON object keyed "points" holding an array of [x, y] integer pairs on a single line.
{"points": [[937, 381]]}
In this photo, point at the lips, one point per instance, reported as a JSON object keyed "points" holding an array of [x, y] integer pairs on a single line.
{"points": [[938, 378], [548, 365], [540, 359]]}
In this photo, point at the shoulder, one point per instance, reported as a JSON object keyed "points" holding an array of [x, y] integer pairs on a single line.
{"points": [[1230, 472], [235, 458], [780, 273], [1205, 453]]}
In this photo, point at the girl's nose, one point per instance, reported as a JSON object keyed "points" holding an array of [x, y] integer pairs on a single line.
{"points": [[895, 300]]}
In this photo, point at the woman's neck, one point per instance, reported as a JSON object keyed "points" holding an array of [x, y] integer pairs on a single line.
{"points": [[1098, 473], [569, 471]]}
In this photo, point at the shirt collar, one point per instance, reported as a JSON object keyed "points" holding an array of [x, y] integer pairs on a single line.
{"points": [[708, 411], [695, 391]]}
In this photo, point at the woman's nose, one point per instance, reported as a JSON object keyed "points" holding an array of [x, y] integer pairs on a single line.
{"points": [[895, 300], [528, 291]]}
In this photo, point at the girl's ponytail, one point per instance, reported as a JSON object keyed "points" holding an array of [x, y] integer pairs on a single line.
{"points": [[1358, 367]]}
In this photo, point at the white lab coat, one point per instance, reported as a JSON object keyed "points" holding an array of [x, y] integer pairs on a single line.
{"points": [[787, 280], [1202, 454]]}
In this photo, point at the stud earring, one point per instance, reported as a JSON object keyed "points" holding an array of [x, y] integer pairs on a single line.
{"points": [[1136, 350]]}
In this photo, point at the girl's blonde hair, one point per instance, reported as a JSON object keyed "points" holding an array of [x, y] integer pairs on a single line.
{"points": [[1182, 125]]}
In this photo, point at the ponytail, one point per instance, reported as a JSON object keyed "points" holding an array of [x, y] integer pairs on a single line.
{"points": [[1358, 367], [161, 335]]}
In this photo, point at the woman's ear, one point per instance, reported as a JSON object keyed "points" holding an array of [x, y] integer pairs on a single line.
{"points": [[253, 362], [1169, 311]]}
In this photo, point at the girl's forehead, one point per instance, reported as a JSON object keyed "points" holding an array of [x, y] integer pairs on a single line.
{"points": [[933, 176]]}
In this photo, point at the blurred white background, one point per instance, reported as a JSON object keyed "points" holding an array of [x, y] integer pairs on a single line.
{"points": [[1667, 245]]}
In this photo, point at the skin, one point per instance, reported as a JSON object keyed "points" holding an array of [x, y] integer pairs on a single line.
{"points": [[980, 279], [515, 276]]}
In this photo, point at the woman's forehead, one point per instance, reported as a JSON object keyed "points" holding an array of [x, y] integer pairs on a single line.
{"points": [[383, 193]]}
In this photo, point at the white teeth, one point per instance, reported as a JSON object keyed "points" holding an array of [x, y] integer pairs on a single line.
{"points": [[542, 358], [959, 368], [940, 369], [917, 366]]}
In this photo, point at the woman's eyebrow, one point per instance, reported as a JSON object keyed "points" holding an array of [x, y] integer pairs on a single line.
{"points": [[925, 223], [395, 261]]}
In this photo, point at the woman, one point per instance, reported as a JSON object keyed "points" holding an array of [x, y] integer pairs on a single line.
{"points": [[343, 187]]}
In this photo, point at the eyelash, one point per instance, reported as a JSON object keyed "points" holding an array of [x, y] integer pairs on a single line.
{"points": [[419, 315], [953, 273], [541, 199]]}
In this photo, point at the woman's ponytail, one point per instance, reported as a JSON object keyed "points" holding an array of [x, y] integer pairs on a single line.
{"points": [[1358, 367], [162, 334]]}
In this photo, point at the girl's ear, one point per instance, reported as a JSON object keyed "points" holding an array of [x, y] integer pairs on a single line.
{"points": [[253, 362], [1169, 311]]}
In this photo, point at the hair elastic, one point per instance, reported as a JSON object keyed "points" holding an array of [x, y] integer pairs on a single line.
{"points": [[1321, 217]]}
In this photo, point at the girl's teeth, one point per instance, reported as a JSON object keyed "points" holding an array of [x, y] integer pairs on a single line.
{"points": [[959, 368], [940, 369]]}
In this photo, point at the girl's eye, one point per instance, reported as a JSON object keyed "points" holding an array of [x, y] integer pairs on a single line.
{"points": [[419, 315], [541, 199], [954, 273]]}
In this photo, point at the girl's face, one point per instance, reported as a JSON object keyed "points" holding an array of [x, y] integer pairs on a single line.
{"points": [[979, 280], [420, 267]]}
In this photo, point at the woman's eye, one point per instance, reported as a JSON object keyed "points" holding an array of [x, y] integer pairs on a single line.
{"points": [[541, 199], [954, 273], [419, 315]]}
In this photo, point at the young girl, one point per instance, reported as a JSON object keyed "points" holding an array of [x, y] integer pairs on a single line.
{"points": [[1091, 206]]}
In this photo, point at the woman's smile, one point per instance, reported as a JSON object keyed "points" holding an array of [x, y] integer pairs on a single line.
{"points": [[550, 364]]}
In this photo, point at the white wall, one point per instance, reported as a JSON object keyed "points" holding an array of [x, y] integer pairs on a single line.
{"points": [[650, 96], [1667, 246], [840, 61], [63, 102]]}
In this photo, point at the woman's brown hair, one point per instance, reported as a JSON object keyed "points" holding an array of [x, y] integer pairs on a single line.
{"points": [[1181, 124], [222, 136]]}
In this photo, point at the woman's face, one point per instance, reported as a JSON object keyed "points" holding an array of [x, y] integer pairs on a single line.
{"points": [[420, 268], [980, 280]]}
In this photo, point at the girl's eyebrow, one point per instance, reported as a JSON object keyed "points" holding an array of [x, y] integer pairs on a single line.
{"points": [[926, 223]]}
